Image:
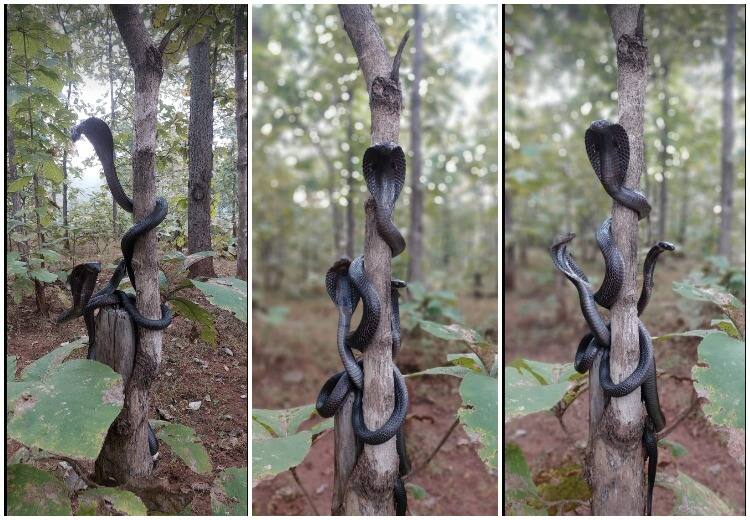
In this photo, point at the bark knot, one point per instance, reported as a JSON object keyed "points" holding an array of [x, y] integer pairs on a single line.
{"points": [[385, 93], [632, 50]]}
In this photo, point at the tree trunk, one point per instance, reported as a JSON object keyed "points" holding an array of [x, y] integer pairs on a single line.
{"points": [[615, 458], [125, 452], [115, 227], [727, 138], [684, 209], [350, 221], [200, 157], [416, 207], [664, 156], [65, 149], [368, 485], [15, 199], [240, 50], [509, 255]]}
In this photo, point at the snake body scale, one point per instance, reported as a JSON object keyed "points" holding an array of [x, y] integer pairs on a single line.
{"points": [[384, 168], [608, 150], [83, 277]]}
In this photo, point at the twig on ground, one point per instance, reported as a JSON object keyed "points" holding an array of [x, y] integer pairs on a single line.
{"points": [[79, 469], [304, 491], [434, 452], [681, 417]]}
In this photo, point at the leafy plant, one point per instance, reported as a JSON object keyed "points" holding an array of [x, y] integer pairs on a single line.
{"points": [[424, 305]]}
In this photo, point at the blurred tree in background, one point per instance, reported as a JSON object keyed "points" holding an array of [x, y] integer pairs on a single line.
{"points": [[311, 127]]}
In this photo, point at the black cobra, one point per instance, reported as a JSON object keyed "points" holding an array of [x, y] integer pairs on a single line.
{"points": [[608, 150], [347, 283], [83, 277]]}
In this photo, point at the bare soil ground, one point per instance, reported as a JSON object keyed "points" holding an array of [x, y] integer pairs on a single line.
{"points": [[534, 331], [190, 371], [291, 362]]}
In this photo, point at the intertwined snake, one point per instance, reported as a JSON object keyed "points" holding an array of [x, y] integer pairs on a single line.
{"points": [[82, 279], [384, 168], [608, 151]]}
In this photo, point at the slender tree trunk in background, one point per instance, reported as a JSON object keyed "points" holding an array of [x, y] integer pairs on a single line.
{"points": [[364, 485], [125, 452], [350, 221], [664, 156], [416, 207], [112, 111], [615, 457], [727, 138], [240, 50], [447, 227], [200, 157], [65, 149], [15, 199], [509, 260], [647, 189], [684, 210]]}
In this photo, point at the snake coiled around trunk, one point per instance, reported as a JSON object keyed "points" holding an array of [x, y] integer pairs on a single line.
{"points": [[83, 277], [384, 168], [608, 149]]}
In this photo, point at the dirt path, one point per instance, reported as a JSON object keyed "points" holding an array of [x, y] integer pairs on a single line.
{"points": [[534, 331], [291, 362]]}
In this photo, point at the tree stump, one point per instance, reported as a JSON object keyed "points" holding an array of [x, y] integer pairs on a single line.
{"points": [[125, 453]]}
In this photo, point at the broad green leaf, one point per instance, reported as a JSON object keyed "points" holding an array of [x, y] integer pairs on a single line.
{"points": [[38, 369], [196, 257], [699, 333], [456, 371], [195, 313], [468, 360], [18, 184], [283, 422], [185, 443], [521, 494], [229, 493], [10, 368], [707, 294], [273, 455], [322, 426], [675, 448], [42, 275], [228, 293], [68, 411], [727, 326], [451, 332], [50, 255], [691, 497], [98, 501], [479, 413], [173, 257], [416, 491], [722, 382], [33, 492], [52, 172], [532, 386]]}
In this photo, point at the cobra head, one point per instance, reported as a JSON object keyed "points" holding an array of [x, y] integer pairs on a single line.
{"points": [[81, 281], [397, 284], [666, 246], [338, 286], [384, 168]]}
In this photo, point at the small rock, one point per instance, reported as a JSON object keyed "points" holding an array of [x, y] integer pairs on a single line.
{"points": [[227, 417], [168, 373], [207, 398], [226, 368], [715, 469], [228, 351], [320, 489], [243, 396], [200, 362], [519, 433], [195, 405], [294, 376], [164, 414]]}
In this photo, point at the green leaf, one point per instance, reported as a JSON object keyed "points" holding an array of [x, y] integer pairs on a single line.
{"points": [[184, 443], [10, 368], [52, 172], [451, 332], [468, 360], [531, 386], [40, 368], [521, 494], [416, 491], [708, 294], [693, 498], [67, 412], [455, 371], [197, 314], [42, 275], [97, 501], [18, 184], [196, 257], [479, 413], [273, 455], [699, 333], [563, 483], [227, 293], [283, 422], [33, 492], [50, 255], [727, 326], [722, 382], [229, 493], [677, 449]]}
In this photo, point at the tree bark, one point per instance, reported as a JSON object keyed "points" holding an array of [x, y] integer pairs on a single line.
{"points": [[240, 50], [200, 157], [369, 483], [125, 452], [115, 227], [65, 149], [615, 448], [416, 207], [727, 138], [350, 221]]}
